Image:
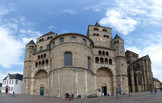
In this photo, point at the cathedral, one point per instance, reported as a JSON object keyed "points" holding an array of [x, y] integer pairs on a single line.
{"points": [[95, 63]]}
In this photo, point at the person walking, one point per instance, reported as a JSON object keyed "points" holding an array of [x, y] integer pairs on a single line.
{"points": [[72, 96]]}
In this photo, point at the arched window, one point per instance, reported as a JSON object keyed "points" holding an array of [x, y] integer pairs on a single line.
{"points": [[43, 62], [44, 55], [53, 43], [95, 28], [103, 52], [104, 30], [83, 41], [68, 59], [89, 63], [38, 56], [99, 52], [101, 60], [41, 48], [36, 64], [139, 79], [110, 61], [61, 40], [39, 63], [47, 47], [47, 62], [106, 60], [97, 60], [107, 53], [73, 39]]}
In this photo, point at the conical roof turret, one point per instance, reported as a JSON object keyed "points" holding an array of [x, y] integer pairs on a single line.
{"points": [[31, 42], [97, 24], [117, 37]]}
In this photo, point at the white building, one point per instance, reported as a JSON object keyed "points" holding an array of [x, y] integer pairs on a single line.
{"points": [[12, 83]]}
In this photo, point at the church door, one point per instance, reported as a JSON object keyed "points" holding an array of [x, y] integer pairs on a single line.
{"points": [[42, 91], [104, 90]]}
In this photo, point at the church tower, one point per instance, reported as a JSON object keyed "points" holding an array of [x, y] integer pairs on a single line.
{"points": [[122, 78], [30, 49], [101, 36]]}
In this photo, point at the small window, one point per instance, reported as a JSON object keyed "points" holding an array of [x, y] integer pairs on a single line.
{"points": [[48, 37], [101, 60], [47, 47], [36, 64], [83, 41], [47, 62], [16, 81], [38, 56], [106, 60], [95, 28], [99, 52], [107, 53], [97, 60], [41, 48], [61, 40], [39, 63], [110, 61], [73, 39], [89, 63], [103, 52], [104, 30], [43, 62], [44, 55], [117, 41], [68, 59], [53, 43]]}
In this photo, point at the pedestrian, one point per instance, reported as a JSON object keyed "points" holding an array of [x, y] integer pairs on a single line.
{"points": [[155, 90], [151, 91], [13, 94], [72, 96], [65, 97]]}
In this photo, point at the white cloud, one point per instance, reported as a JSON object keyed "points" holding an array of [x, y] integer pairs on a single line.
{"points": [[70, 11], [11, 49], [125, 15], [119, 20]]}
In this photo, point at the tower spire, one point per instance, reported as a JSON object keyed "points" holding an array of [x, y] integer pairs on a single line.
{"points": [[97, 24]]}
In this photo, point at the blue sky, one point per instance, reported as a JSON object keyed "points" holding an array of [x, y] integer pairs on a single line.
{"points": [[138, 22]]}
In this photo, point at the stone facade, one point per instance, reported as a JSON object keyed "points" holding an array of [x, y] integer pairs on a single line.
{"points": [[140, 77], [157, 83], [75, 63]]}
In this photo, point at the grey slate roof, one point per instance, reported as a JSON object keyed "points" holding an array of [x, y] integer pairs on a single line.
{"points": [[49, 33], [15, 76], [31, 42], [117, 36]]}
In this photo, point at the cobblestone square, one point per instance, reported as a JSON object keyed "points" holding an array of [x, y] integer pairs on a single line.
{"points": [[141, 97]]}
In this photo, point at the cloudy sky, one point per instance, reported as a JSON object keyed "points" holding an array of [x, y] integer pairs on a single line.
{"points": [[138, 22]]}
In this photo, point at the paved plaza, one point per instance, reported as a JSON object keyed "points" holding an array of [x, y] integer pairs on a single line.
{"points": [[142, 97]]}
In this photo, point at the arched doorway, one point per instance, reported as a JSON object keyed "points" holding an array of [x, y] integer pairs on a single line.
{"points": [[42, 90], [104, 89], [104, 81], [6, 90]]}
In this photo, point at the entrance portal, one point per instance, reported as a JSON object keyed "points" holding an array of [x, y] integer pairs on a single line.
{"points": [[42, 91], [6, 91], [104, 90]]}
